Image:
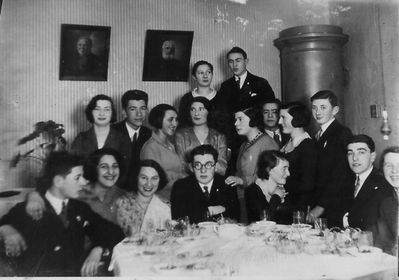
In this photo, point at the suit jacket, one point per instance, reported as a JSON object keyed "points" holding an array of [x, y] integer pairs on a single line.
{"points": [[188, 199], [132, 153], [333, 171], [375, 209], [256, 202], [56, 250]]}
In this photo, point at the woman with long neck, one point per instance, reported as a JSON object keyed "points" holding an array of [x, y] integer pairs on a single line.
{"points": [[199, 133], [301, 153], [248, 123], [161, 146], [265, 198]]}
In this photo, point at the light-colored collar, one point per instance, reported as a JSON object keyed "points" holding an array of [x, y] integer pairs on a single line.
{"points": [[132, 131], [363, 176], [298, 140], [209, 185], [242, 78], [55, 202], [209, 96], [271, 132], [324, 126]]}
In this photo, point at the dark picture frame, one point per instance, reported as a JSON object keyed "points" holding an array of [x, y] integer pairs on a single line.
{"points": [[84, 52], [167, 55]]}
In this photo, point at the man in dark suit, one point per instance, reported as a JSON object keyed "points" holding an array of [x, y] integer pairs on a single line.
{"points": [[372, 201], [333, 171], [54, 245], [203, 194], [271, 115], [134, 104], [243, 90]]}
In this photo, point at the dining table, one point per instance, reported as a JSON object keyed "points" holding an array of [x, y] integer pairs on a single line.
{"points": [[262, 250]]}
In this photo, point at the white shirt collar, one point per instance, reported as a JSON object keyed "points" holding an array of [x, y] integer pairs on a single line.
{"points": [[363, 176], [324, 126], [209, 185], [55, 202], [242, 78], [132, 131], [208, 96], [271, 132]]}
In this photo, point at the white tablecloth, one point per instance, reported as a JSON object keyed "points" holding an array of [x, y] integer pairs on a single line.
{"points": [[246, 257]]}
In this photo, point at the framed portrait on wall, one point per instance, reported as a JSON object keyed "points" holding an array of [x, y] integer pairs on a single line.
{"points": [[167, 55], [84, 52]]}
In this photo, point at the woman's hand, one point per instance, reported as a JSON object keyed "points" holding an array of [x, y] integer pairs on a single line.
{"points": [[14, 243], [234, 181], [92, 262], [35, 205], [280, 191]]}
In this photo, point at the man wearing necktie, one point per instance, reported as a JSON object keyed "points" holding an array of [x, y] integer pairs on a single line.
{"points": [[373, 204], [271, 116], [243, 90], [203, 194], [134, 104], [332, 172]]}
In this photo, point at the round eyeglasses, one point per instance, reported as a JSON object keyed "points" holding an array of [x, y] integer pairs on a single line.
{"points": [[208, 165]]}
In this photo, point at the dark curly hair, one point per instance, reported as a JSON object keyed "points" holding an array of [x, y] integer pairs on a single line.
{"points": [[163, 179], [93, 103]]}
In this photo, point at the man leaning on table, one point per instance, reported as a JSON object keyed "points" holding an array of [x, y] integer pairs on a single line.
{"points": [[203, 195], [371, 201]]}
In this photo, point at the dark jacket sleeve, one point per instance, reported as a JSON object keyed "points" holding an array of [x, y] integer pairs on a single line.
{"points": [[387, 225]]}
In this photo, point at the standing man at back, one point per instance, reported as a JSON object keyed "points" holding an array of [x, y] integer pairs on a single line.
{"points": [[134, 104], [271, 116], [333, 170], [243, 90]]}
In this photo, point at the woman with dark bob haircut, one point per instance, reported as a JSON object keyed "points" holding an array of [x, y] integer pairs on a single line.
{"points": [[266, 197], [101, 113], [199, 133], [142, 211], [202, 75], [161, 146], [301, 152], [248, 124]]}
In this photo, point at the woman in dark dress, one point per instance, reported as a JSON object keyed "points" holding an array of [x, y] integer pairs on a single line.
{"points": [[301, 153], [267, 194]]}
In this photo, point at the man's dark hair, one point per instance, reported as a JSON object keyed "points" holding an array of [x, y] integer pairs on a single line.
{"points": [[204, 150], [300, 114], [163, 179], [267, 160], [93, 103], [157, 114], [57, 163], [199, 63], [90, 166], [273, 101], [134, 94], [362, 138], [237, 50], [326, 94]]}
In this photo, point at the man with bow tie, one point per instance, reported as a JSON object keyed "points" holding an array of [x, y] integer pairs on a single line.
{"points": [[203, 195], [372, 204]]}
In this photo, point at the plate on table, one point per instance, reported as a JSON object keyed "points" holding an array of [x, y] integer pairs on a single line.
{"points": [[301, 227]]}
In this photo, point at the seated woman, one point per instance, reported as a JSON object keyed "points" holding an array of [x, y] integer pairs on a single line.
{"points": [[199, 133], [101, 113], [102, 168], [301, 152], [143, 211], [267, 194], [202, 74], [161, 146], [248, 123]]}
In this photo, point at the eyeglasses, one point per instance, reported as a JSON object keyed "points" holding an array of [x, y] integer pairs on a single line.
{"points": [[197, 165]]}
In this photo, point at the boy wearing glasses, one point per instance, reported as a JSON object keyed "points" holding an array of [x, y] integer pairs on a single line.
{"points": [[203, 195]]}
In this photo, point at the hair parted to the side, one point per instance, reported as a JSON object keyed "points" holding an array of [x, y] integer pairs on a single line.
{"points": [[157, 114], [362, 138], [163, 179], [204, 150], [93, 103], [134, 94], [267, 160]]}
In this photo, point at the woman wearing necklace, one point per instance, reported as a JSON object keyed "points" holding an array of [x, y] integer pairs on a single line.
{"points": [[266, 196], [161, 146], [248, 123], [142, 211], [301, 153], [199, 133]]}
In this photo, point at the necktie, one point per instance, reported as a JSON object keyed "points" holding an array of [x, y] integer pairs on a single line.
{"points": [[238, 82], [277, 138], [64, 215], [318, 134], [357, 186], [134, 138], [206, 193]]}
